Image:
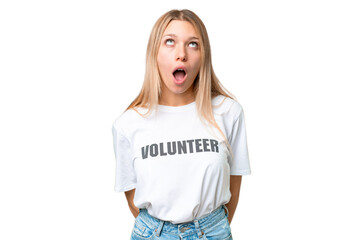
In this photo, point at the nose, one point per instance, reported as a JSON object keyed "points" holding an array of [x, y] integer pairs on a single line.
{"points": [[181, 53]]}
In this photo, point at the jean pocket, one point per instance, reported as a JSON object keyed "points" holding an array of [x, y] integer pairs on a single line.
{"points": [[142, 231], [220, 230]]}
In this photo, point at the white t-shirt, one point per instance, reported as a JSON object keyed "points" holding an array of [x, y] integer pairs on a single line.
{"points": [[179, 167]]}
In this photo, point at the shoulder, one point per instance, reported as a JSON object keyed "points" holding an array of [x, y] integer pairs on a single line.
{"points": [[127, 119], [230, 107]]}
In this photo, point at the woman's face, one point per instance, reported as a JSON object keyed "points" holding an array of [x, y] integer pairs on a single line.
{"points": [[179, 49]]}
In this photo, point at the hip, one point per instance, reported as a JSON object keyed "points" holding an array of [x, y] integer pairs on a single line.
{"points": [[214, 225]]}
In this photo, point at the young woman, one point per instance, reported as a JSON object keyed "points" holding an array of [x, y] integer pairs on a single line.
{"points": [[180, 146]]}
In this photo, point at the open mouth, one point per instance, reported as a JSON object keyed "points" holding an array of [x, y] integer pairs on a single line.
{"points": [[179, 75]]}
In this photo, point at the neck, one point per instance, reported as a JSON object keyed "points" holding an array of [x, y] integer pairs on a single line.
{"points": [[176, 100], [169, 98]]}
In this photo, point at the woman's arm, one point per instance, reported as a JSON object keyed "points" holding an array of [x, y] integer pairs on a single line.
{"points": [[235, 183], [130, 198]]}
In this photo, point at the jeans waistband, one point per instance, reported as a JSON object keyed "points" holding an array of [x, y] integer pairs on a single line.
{"points": [[202, 222]]}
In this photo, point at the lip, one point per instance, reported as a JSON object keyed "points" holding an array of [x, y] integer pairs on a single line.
{"points": [[180, 82], [180, 66], [185, 77]]}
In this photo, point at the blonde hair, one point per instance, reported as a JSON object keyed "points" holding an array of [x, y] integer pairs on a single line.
{"points": [[206, 85]]}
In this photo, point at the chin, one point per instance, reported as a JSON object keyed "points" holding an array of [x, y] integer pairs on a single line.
{"points": [[180, 89], [177, 91]]}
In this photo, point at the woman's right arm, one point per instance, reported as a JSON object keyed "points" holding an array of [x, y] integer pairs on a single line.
{"points": [[130, 198]]}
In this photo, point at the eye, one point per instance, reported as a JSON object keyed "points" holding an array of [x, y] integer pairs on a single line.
{"points": [[196, 44], [167, 40]]}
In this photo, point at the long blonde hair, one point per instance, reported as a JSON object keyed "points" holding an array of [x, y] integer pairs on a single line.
{"points": [[206, 85]]}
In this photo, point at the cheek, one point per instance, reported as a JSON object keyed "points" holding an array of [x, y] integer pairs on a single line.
{"points": [[197, 59], [163, 65], [198, 63], [161, 59]]}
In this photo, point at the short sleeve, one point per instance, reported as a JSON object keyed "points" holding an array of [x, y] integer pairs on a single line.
{"points": [[125, 177], [239, 164]]}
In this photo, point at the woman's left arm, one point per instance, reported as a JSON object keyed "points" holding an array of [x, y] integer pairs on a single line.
{"points": [[235, 184]]}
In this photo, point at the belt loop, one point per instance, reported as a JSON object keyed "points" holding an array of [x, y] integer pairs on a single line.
{"points": [[198, 230], [227, 211], [158, 230]]}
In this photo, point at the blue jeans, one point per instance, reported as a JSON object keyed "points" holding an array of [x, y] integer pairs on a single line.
{"points": [[213, 226]]}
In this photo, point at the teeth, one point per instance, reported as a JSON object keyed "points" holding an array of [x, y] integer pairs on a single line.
{"points": [[179, 69]]}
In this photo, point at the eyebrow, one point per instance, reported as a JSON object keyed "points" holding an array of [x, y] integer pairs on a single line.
{"points": [[174, 35]]}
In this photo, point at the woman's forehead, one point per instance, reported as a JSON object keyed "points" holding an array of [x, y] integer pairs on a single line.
{"points": [[180, 28]]}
